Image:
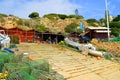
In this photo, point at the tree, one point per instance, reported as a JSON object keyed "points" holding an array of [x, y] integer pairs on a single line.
{"points": [[102, 22], [51, 16], [116, 19], [115, 28], [92, 22], [115, 32], [80, 17], [34, 15], [74, 16], [71, 28], [115, 25], [62, 16]]}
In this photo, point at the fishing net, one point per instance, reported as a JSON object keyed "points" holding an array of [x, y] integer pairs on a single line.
{"points": [[12, 67], [18, 58], [5, 57], [41, 75], [26, 70], [1, 64], [115, 39], [20, 75], [56, 76], [43, 71], [40, 65]]}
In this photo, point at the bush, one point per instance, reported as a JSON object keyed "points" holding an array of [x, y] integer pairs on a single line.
{"points": [[62, 43], [115, 32], [114, 24], [34, 15], [41, 28], [92, 22], [76, 16], [15, 39], [71, 28], [27, 23], [62, 16], [3, 15], [102, 49], [20, 22], [115, 28], [117, 19], [51, 16], [108, 56]]}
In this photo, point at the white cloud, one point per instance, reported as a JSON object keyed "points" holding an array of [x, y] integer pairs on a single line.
{"points": [[23, 8]]}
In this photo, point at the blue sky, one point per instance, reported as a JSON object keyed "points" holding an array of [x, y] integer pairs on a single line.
{"points": [[87, 8]]}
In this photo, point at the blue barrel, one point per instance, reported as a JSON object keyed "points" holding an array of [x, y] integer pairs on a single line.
{"points": [[8, 50]]}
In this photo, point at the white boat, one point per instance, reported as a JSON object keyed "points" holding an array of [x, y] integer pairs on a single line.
{"points": [[4, 39], [89, 47]]}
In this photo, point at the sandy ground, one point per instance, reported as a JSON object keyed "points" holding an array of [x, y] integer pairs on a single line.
{"points": [[71, 64]]}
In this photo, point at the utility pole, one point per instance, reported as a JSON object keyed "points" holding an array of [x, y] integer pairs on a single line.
{"points": [[107, 20]]}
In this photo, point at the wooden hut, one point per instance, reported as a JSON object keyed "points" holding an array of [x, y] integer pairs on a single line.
{"points": [[30, 35], [49, 37], [24, 34], [100, 33]]}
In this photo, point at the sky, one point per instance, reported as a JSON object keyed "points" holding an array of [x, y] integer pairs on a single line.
{"points": [[87, 8]]}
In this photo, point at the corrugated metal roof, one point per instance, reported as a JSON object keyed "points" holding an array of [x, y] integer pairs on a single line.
{"points": [[97, 28], [102, 31]]}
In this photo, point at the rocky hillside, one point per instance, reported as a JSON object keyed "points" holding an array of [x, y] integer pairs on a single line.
{"points": [[56, 25], [11, 22]]}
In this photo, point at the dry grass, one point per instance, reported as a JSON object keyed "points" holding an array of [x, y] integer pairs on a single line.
{"points": [[113, 47]]}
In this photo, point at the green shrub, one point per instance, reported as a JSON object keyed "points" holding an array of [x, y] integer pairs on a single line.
{"points": [[108, 56], [51, 16], [3, 15], [15, 39], [71, 28], [75, 16], [62, 43], [41, 28], [102, 49], [62, 16]]}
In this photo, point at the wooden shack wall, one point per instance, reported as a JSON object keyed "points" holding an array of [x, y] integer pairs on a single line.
{"points": [[22, 34], [99, 36]]}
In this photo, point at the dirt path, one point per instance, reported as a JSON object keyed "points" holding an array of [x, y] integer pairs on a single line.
{"points": [[73, 65]]}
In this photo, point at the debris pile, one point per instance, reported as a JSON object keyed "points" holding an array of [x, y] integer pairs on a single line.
{"points": [[89, 48]]}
